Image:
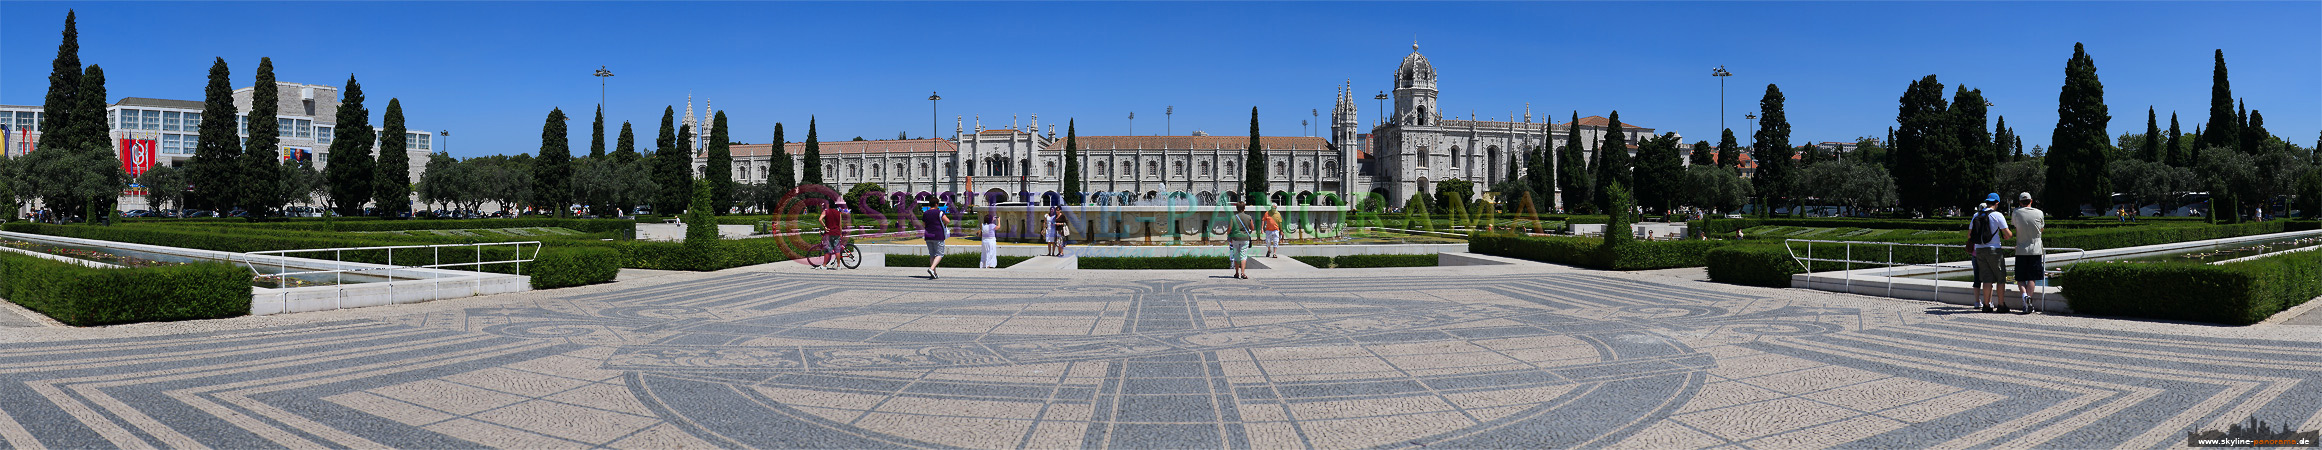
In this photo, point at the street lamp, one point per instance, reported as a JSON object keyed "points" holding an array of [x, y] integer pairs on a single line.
{"points": [[601, 75], [1382, 98], [1168, 121], [1720, 73], [1132, 123], [932, 115], [1753, 118]]}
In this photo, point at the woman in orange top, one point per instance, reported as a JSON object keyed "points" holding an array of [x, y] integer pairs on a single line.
{"points": [[1273, 230]]}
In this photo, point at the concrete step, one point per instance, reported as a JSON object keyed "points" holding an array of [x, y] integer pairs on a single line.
{"points": [[1048, 263], [1282, 263]]}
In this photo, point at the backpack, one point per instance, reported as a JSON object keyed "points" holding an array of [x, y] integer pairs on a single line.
{"points": [[1980, 232]]}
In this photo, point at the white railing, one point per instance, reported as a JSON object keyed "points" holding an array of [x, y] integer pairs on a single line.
{"points": [[282, 261], [1805, 263]]}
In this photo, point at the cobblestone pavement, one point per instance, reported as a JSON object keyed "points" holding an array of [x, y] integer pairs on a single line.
{"points": [[1526, 356]]}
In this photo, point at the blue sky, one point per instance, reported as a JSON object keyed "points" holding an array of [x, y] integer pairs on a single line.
{"points": [[490, 72]]}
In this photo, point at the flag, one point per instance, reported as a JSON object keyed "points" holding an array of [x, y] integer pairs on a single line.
{"points": [[136, 155]]}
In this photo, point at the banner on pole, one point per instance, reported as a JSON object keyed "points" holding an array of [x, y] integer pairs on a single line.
{"points": [[136, 156]]}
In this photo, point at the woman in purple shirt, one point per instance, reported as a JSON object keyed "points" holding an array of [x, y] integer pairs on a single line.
{"points": [[934, 227]]}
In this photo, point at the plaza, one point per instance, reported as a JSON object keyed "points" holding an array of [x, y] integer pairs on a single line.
{"points": [[1515, 355]]}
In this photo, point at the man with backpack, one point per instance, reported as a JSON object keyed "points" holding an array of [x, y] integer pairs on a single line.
{"points": [[1983, 242]]}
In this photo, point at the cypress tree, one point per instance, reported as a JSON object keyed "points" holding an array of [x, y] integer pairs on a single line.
{"points": [[597, 135], [218, 147], [625, 149], [2078, 153], [261, 163], [1927, 162], [1729, 149], [353, 169], [1072, 191], [672, 168], [392, 189], [2254, 135], [2223, 130], [1541, 181], [1254, 180], [552, 169], [719, 171], [1574, 174], [785, 177], [2152, 151], [60, 110], [813, 165], [2003, 141], [2177, 154], [1773, 146], [98, 178], [51, 172], [1973, 143], [1613, 162], [625, 157], [1703, 154], [1523, 158]]}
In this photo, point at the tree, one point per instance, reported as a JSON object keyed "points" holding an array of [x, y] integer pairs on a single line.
{"points": [[2150, 149], [2254, 136], [2175, 150], [1415, 213], [1728, 150], [1974, 143], [552, 170], [1613, 166], [813, 157], [1772, 150], [2003, 142], [1928, 163], [1854, 184], [1451, 191], [218, 147], [672, 168], [261, 163], [393, 187], [719, 171], [597, 134], [701, 226], [625, 157], [2079, 151], [2151, 182], [1660, 172], [1540, 177], [352, 170], [785, 176], [1254, 179], [1573, 175], [2024, 175], [1702, 154], [1714, 187], [1072, 189], [164, 187], [1618, 203], [436, 186], [2224, 129]]}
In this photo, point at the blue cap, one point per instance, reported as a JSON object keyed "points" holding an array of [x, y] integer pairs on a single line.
{"points": [[1992, 197]]}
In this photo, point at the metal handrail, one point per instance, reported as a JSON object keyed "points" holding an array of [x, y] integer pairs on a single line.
{"points": [[1805, 262], [283, 273]]}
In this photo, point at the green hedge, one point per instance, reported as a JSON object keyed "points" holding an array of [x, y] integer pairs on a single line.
{"points": [[1591, 253], [253, 239], [1157, 262], [1319, 262], [954, 260], [84, 296], [1361, 261], [1753, 265], [565, 267], [2236, 293], [723, 254]]}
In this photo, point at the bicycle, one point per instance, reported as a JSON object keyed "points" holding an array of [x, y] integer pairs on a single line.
{"points": [[849, 255]]}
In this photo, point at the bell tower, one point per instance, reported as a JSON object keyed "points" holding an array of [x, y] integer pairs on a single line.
{"points": [[1415, 91]]}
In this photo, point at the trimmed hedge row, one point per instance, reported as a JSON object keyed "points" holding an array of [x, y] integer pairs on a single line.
{"points": [[1319, 262], [953, 260], [1770, 265], [1362, 261], [1156, 262], [594, 267], [85, 296], [1592, 253], [582, 225], [2237, 293], [578, 266]]}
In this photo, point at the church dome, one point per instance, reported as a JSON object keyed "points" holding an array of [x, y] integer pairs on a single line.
{"points": [[1415, 67]]}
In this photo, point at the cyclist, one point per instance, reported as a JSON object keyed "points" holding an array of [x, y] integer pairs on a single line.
{"points": [[834, 233]]}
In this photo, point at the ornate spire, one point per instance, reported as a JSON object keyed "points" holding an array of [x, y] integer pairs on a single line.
{"points": [[958, 124]]}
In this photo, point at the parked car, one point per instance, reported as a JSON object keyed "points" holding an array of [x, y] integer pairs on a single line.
{"points": [[135, 213]]}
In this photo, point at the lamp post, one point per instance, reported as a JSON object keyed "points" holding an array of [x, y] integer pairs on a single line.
{"points": [[1382, 98], [1132, 123], [1168, 121], [933, 103], [1753, 118], [1720, 73], [601, 75]]}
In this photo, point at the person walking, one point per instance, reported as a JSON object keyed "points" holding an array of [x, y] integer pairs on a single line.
{"points": [[1238, 239], [1273, 230], [2030, 266], [834, 233], [1062, 225], [1048, 229], [990, 235], [1983, 243], [934, 228]]}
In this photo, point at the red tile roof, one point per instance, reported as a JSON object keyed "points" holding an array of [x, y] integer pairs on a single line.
{"points": [[1195, 142], [1601, 121]]}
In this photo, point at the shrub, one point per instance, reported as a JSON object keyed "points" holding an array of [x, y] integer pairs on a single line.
{"points": [[1319, 262], [2236, 293], [1360, 261], [576, 266], [84, 296], [953, 260], [1596, 253], [1753, 265], [1157, 262]]}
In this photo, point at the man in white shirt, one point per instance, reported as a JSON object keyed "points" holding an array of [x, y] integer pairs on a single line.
{"points": [[1984, 233], [2030, 253]]}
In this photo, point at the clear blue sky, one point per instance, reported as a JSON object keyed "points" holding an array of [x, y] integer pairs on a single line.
{"points": [[491, 71]]}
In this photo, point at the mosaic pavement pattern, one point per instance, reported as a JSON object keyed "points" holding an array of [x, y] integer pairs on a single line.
{"points": [[853, 361]]}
